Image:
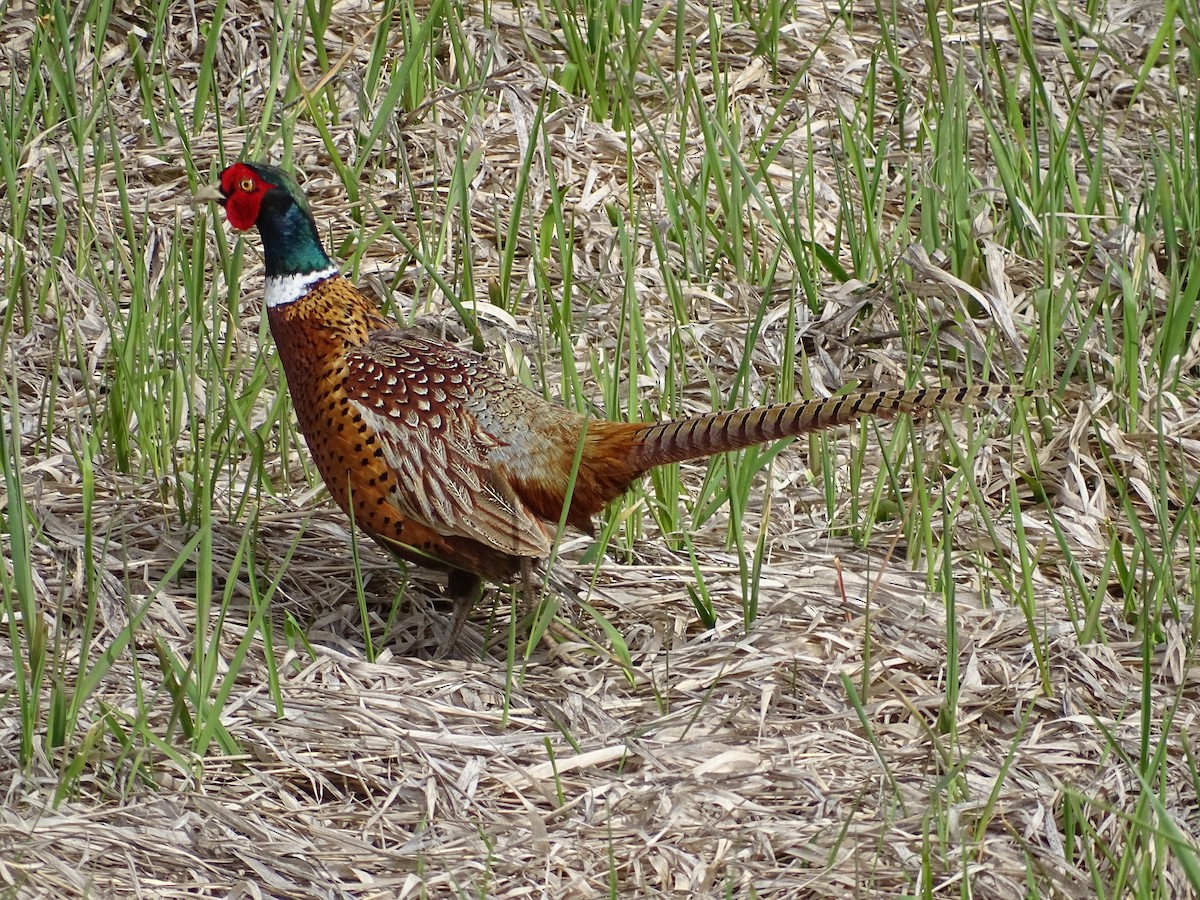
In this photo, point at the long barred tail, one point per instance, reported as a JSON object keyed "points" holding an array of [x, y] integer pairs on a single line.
{"points": [[701, 436]]}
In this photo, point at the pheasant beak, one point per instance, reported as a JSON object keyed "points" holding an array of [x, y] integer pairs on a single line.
{"points": [[209, 194]]}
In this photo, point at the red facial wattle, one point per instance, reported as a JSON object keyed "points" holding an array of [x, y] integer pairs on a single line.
{"points": [[243, 191]]}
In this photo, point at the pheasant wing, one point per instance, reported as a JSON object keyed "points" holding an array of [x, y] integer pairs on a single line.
{"points": [[413, 393]]}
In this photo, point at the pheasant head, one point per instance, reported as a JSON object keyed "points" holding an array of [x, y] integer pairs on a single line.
{"points": [[257, 194]]}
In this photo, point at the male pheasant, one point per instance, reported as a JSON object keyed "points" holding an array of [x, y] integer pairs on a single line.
{"points": [[435, 454]]}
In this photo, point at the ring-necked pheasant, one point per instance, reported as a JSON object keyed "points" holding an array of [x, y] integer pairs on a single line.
{"points": [[435, 454]]}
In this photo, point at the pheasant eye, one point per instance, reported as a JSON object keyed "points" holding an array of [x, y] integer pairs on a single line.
{"points": [[247, 185]]}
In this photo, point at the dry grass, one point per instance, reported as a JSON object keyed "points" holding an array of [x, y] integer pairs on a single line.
{"points": [[723, 762]]}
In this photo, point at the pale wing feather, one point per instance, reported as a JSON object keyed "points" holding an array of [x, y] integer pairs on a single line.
{"points": [[444, 479]]}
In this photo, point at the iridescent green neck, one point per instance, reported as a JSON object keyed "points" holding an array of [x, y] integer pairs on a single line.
{"points": [[291, 244]]}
